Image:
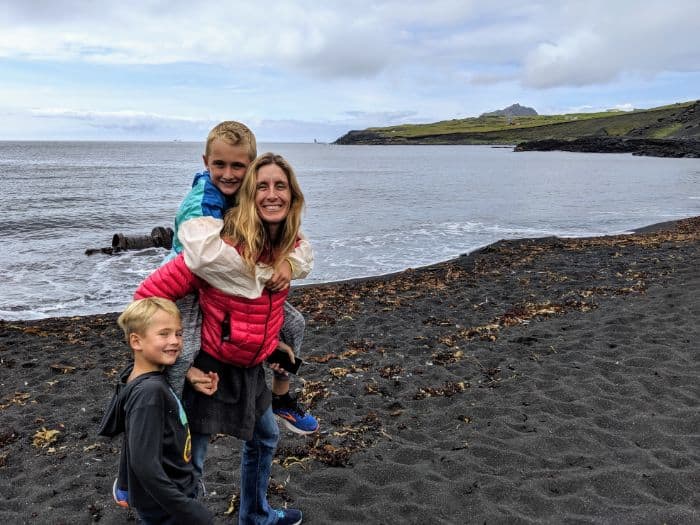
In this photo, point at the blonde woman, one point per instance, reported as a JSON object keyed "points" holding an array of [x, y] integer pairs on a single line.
{"points": [[239, 332]]}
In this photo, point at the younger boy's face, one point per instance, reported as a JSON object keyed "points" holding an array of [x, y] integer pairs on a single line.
{"points": [[161, 343], [227, 166]]}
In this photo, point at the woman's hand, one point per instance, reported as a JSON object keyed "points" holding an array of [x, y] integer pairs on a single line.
{"points": [[281, 277], [203, 382]]}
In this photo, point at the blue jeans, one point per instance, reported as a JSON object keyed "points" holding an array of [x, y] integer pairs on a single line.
{"points": [[256, 463]]}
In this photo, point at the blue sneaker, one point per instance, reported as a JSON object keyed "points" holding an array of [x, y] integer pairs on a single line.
{"points": [[292, 415], [288, 517], [121, 497]]}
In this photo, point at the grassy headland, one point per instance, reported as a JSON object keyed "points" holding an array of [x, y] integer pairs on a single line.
{"points": [[676, 121]]}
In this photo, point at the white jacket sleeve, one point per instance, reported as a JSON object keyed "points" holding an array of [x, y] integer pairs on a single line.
{"points": [[217, 262], [301, 259]]}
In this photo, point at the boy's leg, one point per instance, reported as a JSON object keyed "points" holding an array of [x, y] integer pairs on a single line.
{"points": [[161, 516], [294, 417], [155, 517], [292, 331], [191, 342], [256, 463], [200, 444], [120, 492]]}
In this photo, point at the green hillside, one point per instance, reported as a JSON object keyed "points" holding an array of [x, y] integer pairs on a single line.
{"points": [[674, 121]]}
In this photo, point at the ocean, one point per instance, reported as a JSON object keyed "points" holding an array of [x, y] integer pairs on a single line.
{"points": [[371, 210]]}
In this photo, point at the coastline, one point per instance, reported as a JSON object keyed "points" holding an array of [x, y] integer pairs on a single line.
{"points": [[677, 148], [532, 380], [657, 132]]}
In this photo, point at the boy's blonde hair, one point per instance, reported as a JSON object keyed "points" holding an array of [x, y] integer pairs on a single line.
{"points": [[234, 134], [136, 318], [243, 226]]}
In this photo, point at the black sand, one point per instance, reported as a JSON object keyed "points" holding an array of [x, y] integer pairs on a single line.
{"points": [[535, 381]]}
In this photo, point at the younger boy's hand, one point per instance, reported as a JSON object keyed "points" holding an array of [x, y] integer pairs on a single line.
{"points": [[281, 277], [203, 382]]}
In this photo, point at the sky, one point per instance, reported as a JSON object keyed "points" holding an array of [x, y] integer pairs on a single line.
{"points": [[299, 71]]}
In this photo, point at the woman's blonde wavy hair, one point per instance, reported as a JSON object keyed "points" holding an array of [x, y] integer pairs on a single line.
{"points": [[243, 226]]}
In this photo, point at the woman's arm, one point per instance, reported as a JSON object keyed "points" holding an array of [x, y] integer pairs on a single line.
{"points": [[172, 281], [301, 259], [296, 265]]}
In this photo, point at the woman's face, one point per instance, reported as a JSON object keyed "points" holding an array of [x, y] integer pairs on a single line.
{"points": [[273, 196]]}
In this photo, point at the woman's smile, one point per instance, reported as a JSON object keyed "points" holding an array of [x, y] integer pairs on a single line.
{"points": [[273, 195]]}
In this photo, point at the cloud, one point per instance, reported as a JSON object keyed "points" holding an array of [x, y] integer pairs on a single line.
{"points": [[321, 40], [604, 42], [549, 43], [487, 79], [571, 61], [156, 68], [278, 130], [132, 121], [385, 117], [623, 107], [152, 125]]}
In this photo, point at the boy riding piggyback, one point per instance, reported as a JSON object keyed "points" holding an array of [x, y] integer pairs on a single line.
{"points": [[229, 150]]}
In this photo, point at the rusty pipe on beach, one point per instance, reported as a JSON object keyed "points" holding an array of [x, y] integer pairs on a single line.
{"points": [[160, 237]]}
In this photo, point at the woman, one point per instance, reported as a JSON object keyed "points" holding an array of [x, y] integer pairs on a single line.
{"points": [[240, 331]]}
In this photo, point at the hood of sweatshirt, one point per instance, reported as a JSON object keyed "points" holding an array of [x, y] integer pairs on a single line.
{"points": [[114, 420]]}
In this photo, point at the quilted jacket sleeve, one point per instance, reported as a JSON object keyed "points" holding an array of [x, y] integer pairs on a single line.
{"points": [[173, 280]]}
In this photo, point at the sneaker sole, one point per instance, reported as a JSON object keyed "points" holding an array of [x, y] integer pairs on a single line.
{"points": [[294, 429], [121, 503]]}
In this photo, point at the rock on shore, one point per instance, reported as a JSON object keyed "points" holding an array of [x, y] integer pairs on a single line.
{"points": [[688, 148]]}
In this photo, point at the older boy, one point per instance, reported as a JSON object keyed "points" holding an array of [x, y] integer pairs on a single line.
{"points": [[230, 147], [163, 483]]}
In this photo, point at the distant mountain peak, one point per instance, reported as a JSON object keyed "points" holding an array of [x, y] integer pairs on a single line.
{"points": [[515, 110]]}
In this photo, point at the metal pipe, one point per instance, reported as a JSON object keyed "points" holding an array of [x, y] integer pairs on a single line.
{"points": [[160, 237]]}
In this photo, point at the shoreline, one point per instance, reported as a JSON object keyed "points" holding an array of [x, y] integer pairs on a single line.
{"points": [[532, 380], [688, 148], [654, 227]]}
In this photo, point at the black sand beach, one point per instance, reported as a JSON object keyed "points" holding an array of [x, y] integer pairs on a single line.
{"points": [[535, 381]]}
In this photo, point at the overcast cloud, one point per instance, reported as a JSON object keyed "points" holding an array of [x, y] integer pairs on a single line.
{"points": [[299, 70]]}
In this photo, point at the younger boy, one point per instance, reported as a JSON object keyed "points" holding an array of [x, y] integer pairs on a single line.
{"points": [[156, 451]]}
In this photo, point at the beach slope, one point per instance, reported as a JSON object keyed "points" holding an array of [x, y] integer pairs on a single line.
{"points": [[534, 381]]}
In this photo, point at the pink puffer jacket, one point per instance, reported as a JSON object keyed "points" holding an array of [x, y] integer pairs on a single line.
{"points": [[235, 330]]}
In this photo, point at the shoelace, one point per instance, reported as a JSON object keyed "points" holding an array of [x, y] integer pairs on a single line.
{"points": [[297, 409]]}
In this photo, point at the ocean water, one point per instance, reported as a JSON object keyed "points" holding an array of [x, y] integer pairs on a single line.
{"points": [[371, 210]]}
